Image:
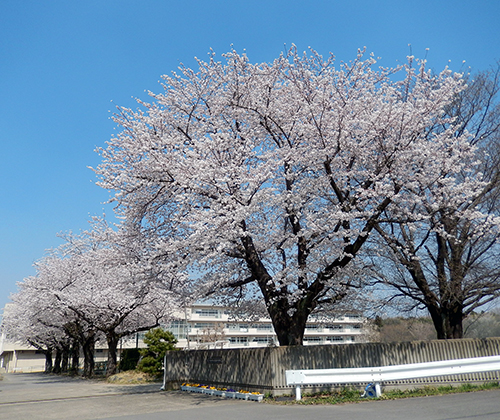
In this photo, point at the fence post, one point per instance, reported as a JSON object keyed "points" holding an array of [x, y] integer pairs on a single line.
{"points": [[298, 396], [164, 373]]}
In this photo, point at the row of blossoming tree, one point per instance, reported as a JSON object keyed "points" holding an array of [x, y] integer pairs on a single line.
{"points": [[93, 288], [296, 183]]}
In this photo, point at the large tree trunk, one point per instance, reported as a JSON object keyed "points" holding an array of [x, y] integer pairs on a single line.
{"points": [[455, 329], [65, 358], [294, 336], [88, 347], [57, 361], [48, 360], [289, 322], [454, 321], [75, 358], [289, 328], [112, 340], [447, 320]]}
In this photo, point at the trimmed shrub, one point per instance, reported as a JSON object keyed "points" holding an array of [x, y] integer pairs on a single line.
{"points": [[159, 341]]}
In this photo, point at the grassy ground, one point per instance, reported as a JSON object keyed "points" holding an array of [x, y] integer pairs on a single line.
{"points": [[351, 395]]}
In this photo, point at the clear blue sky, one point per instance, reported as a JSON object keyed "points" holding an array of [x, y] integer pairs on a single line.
{"points": [[64, 65]]}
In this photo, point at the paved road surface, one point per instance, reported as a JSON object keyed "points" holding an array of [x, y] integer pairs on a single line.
{"points": [[45, 397]]}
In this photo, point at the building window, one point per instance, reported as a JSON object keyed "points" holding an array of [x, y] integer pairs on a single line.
{"points": [[313, 339], [178, 328], [238, 340], [263, 327], [335, 338], [264, 340], [336, 327], [214, 313], [203, 325]]}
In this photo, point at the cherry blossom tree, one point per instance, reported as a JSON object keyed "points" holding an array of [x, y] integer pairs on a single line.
{"points": [[446, 260], [272, 176]]}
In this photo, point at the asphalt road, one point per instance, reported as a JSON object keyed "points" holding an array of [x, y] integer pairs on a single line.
{"points": [[46, 397]]}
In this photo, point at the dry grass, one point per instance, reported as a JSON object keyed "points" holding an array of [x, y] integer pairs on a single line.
{"points": [[131, 377]]}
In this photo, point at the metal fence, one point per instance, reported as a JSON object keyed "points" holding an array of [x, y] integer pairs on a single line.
{"points": [[263, 369]]}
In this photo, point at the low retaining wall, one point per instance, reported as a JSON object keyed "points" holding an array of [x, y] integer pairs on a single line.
{"points": [[263, 369]]}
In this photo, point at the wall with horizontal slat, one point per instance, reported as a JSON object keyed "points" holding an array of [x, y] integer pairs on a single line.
{"points": [[263, 369]]}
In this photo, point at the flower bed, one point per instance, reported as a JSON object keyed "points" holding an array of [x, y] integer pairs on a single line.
{"points": [[222, 392]]}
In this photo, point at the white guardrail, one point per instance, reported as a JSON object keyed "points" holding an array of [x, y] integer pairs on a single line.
{"points": [[376, 375]]}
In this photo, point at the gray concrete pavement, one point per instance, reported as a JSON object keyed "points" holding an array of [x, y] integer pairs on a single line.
{"points": [[29, 387], [37, 396], [50, 397]]}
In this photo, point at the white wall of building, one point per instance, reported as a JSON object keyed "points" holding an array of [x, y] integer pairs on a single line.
{"points": [[206, 326]]}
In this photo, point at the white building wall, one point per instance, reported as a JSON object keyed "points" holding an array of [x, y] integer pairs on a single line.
{"points": [[206, 326]]}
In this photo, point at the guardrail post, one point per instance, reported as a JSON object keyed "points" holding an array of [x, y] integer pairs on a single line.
{"points": [[298, 396], [378, 390]]}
